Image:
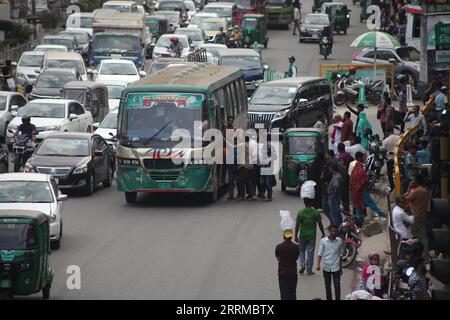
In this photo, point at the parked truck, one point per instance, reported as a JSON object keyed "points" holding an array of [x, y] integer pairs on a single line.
{"points": [[119, 34]]}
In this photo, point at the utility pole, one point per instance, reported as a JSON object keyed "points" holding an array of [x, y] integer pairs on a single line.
{"points": [[33, 14], [423, 75]]}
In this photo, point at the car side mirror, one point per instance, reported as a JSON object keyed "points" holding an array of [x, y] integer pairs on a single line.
{"points": [[73, 116], [302, 102], [37, 70], [96, 125], [98, 153], [63, 197], [14, 108], [393, 61], [142, 74]]}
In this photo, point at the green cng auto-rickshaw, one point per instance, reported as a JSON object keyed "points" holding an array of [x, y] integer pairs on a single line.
{"points": [[339, 15], [157, 25], [254, 29], [317, 5], [303, 156], [24, 250]]}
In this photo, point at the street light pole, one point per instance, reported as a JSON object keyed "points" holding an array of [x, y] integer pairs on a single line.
{"points": [[33, 14]]}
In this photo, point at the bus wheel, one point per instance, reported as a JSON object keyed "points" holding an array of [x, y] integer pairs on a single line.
{"points": [[131, 197]]}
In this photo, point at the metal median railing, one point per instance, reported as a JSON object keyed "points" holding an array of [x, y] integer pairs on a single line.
{"points": [[400, 147], [272, 74]]}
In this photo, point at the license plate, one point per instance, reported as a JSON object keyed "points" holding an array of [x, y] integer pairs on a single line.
{"points": [[259, 125], [315, 36]]}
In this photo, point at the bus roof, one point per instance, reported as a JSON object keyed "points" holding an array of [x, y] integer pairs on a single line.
{"points": [[196, 75]]}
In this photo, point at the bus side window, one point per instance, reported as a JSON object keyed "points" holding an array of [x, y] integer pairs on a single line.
{"points": [[234, 97], [238, 95], [222, 103], [229, 101]]}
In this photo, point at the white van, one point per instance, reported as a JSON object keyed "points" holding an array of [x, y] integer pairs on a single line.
{"points": [[81, 21]]}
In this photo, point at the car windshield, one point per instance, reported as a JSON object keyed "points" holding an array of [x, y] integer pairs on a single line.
{"points": [[173, 17], [271, 95], [303, 144], [82, 38], [64, 147], [74, 94], [170, 6], [194, 35], [222, 12], [43, 110], [246, 3], [190, 6], [116, 43], [3, 102], [213, 50], [244, 63], [320, 20], [152, 25], [114, 92], [53, 80], [209, 25], [119, 7], [25, 191], [84, 22], [408, 54], [279, 2], [31, 60], [17, 236], [153, 117], [165, 42], [110, 122], [118, 69], [158, 66], [50, 49], [66, 64], [198, 18], [59, 41], [249, 22]]}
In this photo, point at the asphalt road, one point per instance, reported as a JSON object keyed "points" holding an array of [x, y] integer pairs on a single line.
{"points": [[174, 247]]}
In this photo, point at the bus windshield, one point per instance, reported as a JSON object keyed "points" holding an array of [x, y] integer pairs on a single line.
{"points": [[150, 119]]}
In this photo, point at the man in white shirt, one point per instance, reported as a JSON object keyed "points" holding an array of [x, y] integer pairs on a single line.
{"points": [[401, 220], [389, 143], [297, 18], [414, 117], [355, 147]]}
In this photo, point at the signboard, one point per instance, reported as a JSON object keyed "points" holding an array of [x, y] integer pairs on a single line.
{"points": [[443, 56], [442, 35], [179, 100], [438, 6]]}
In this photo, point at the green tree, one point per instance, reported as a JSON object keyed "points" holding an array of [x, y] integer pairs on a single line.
{"points": [[15, 33]]}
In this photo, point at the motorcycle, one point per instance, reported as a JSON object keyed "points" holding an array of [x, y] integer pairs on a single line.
{"points": [[170, 53], [22, 149], [350, 234], [375, 161], [347, 90], [325, 47]]}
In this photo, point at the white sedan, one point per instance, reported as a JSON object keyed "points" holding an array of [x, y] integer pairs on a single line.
{"points": [[34, 191], [107, 129], [199, 17], [115, 89], [118, 70], [51, 115]]}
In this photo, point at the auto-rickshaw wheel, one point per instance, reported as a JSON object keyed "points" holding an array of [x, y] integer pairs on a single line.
{"points": [[265, 44], [131, 197], [5, 294], [46, 291], [283, 186]]}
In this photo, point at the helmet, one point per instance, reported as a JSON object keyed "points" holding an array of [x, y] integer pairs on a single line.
{"points": [[352, 70], [174, 39], [26, 119], [374, 148]]}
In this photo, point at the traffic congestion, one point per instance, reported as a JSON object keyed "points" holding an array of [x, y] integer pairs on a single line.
{"points": [[169, 138]]}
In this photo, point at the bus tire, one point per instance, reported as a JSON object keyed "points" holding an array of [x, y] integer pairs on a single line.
{"points": [[131, 197]]}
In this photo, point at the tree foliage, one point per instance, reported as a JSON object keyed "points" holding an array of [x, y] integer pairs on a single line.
{"points": [[15, 33]]}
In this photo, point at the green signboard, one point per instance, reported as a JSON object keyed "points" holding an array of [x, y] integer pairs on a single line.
{"points": [[438, 6], [442, 35]]}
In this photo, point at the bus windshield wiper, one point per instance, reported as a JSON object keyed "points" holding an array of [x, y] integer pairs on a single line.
{"points": [[158, 132]]}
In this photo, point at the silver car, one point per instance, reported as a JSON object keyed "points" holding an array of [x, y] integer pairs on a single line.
{"points": [[9, 102]]}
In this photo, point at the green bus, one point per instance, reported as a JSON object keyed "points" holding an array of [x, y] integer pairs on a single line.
{"points": [[171, 100], [280, 12]]}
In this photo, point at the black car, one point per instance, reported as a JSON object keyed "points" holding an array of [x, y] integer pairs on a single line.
{"points": [[51, 81], [290, 103], [75, 160]]}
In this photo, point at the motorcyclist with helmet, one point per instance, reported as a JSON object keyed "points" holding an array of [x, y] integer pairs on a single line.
{"points": [[327, 33], [176, 46], [27, 128]]}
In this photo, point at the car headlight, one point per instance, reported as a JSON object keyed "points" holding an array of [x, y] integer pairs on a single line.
{"points": [[281, 114], [80, 170], [303, 29], [258, 82], [52, 218], [348, 16], [28, 168]]}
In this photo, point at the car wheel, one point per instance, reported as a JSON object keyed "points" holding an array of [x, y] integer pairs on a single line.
{"points": [[283, 186], [89, 129], [131, 197], [108, 181], [55, 244], [90, 185]]}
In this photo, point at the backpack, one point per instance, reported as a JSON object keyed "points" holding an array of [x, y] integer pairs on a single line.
{"points": [[397, 117]]}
